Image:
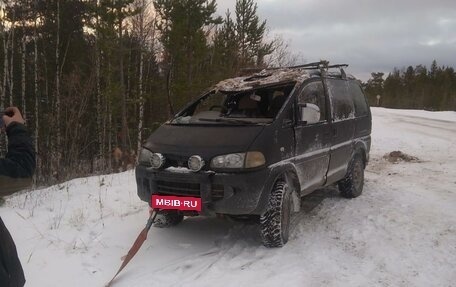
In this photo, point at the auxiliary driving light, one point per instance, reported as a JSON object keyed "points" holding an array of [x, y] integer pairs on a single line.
{"points": [[195, 163]]}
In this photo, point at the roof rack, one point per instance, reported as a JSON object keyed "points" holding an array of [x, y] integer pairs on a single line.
{"points": [[323, 66], [317, 65]]}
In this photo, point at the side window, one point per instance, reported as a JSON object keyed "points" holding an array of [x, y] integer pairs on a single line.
{"points": [[359, 100], [314, 93], [341, 102]]}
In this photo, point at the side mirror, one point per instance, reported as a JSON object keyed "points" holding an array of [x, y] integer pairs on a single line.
{"points": [[310, 113]]}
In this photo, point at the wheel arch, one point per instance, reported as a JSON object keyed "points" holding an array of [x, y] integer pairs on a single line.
{"points": [[286, 172], [361, 148]]}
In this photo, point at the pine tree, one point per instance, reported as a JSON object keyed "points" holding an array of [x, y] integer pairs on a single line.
{"points": [[375, 87], [182, 27], [89, 75], [417, 88], [225, 46], [250, 33]]}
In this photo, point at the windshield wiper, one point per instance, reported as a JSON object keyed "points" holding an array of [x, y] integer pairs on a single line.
{"points": [[231, 121]]}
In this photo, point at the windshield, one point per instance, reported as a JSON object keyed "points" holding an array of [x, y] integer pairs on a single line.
{"points": [[258, 106]]}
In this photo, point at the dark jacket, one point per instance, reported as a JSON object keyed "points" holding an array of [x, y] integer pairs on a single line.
{"points": [[16, 171]]}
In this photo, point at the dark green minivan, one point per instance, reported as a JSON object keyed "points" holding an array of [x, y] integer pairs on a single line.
{"points": [[252, 146]]}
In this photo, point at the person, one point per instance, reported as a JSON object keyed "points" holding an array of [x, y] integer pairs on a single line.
{"points": [[16, 171]]}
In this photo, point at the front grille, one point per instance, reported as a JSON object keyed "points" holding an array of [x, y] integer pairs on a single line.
{"points": [[176, 161], [173, 160], [178, 188], [218, 191], [188, 189]]}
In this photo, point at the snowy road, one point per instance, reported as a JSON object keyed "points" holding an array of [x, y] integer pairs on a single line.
{"points": [[400, 232]]}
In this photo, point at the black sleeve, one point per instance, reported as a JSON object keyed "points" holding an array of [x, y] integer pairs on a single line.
{"points": [[19, 164]]}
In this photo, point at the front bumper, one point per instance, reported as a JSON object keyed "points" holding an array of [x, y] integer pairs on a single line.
{"points": [[224, 193]]}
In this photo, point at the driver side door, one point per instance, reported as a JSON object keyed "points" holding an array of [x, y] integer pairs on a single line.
{"points": [[312, 140]]}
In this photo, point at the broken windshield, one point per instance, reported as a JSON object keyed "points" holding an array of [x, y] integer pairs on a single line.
{"points": [[259, 106]]}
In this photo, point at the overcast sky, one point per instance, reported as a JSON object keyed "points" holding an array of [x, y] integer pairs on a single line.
{"points": [[369, 35]]}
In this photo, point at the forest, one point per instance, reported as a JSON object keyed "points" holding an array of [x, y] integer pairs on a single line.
{"points": [[417, 87], [97, 76], [94, 78]]}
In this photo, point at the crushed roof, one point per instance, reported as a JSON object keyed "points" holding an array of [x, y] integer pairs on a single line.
{"points": [[263, 78]]}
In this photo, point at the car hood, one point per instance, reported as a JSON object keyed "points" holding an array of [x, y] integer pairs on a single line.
{"points": [[206, 141]]}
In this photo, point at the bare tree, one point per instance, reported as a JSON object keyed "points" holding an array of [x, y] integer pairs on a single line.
{"points": [[57, 91], [3, 140], [24, 55], [37, 102], [100, 122], [5, 59], [146, 27], [124, 130], [11, 65], [5, 67], [141, 74], [281, 55]]}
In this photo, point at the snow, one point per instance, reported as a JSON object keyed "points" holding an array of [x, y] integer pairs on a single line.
{"points": [[400, 232], [179, 170], [270, 77]]}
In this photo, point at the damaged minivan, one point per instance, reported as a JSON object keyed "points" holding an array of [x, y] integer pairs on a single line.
{"points": [[252, 146]]}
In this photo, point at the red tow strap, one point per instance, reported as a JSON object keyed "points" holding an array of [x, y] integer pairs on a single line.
{"points": [[136, 246]]}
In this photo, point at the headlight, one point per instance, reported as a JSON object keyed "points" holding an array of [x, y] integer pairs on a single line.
{"points": [[195, 163], [154, 160], [235, 160], [238, 160]]}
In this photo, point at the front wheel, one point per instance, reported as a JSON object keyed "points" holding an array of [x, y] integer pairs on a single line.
{"points": [[275, 222], [352, 185]]}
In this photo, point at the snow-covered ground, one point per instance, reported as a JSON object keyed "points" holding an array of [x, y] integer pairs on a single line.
{"points": [[400, 232]]}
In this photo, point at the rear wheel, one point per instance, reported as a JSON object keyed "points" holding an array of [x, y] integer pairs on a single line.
{"points": [[168, 218], [275, 222], [352, 185]]}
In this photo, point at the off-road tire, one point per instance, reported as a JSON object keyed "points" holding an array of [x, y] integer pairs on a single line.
{"points": [[167, 219], [275, 222], [352, 185]]}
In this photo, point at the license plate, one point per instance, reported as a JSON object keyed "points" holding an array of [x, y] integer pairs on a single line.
{"points": [[176, 203]]}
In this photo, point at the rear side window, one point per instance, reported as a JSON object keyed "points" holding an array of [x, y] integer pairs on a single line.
{"points": [[342, 106], [359, 100]]}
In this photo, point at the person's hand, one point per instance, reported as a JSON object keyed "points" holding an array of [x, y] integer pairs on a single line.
{"points": [[11, 115]]}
